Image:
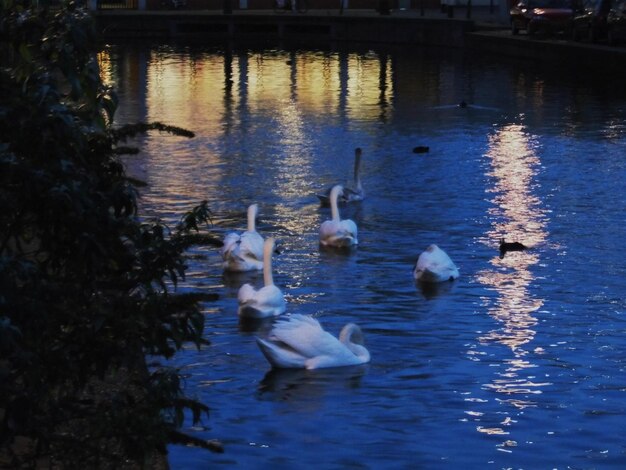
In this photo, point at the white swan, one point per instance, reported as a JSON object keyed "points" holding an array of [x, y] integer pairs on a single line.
{"points": [[244, 252], [337, 232], [434, 265], [299, 341], [266, 302], [353, 194]]}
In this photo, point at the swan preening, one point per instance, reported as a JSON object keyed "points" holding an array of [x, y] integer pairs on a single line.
{"points": [[267, 301], [244, 252], [337, 232], [350, 194], [299, 342], [434, 265]]}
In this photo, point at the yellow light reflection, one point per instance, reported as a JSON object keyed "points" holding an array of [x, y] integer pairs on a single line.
{"points": [[369, 86], [216, 96], [106, 67], [517, 215]]}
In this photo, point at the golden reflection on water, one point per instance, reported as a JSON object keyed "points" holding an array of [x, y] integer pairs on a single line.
{"points": [[517, 215], [212, 94], [209, 93]]}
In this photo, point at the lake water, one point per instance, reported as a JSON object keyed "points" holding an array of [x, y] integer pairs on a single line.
{"points": [[520, 363]]}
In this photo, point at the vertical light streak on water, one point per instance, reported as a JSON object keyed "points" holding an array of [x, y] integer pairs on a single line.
{"points": [[517, 215]]}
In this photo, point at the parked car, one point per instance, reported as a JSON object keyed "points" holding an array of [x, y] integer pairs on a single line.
{"points": [[590, 19], [547, 16], [616, 23]]}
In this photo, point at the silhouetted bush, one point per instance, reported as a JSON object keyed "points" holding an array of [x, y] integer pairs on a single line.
{"points": [[86, 288]]}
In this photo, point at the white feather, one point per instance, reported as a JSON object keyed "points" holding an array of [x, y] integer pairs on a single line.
{"points": [[244, 252], [434, 265], [298, 341], [337, 232], [266, 302]]}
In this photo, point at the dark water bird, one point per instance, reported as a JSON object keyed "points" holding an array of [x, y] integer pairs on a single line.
{"points": [[510, 246], [350, 194], [421, 149], [465, 105]]}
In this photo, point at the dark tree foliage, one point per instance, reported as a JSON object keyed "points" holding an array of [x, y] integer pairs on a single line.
{"points": [[87, 289]]}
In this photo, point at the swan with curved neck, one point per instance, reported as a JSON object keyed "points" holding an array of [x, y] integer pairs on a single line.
{"points": [[244, 252], [350, 194], [337, 232], [300, 342], [434, 265], [267, 301]]}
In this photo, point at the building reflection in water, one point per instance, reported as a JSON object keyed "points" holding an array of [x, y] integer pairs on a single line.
{"points": [[214, 94], [517, 215]]}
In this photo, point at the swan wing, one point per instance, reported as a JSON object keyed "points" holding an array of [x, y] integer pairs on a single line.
{"points": [[300, 341], [328, 229], [265, 302], [343, 233], [436, 274], [246, 294], [243, 252], [251, 246], [231, 240], [281, 355], [305, 335], [434, 265], [350, 229]]}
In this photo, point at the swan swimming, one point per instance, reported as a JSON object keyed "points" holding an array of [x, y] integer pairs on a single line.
{"points": [[434, 265], [337, 232], [299, 342], [266, 302], [349, 194], [244, 252]]}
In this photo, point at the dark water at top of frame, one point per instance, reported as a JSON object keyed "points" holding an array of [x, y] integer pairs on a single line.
{"points": [[521, 363]]}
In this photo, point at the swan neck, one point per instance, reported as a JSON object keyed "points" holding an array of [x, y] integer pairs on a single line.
{"points": [[252, 213], [334, 208], [351, 334], [268, 250], [352, 337]]}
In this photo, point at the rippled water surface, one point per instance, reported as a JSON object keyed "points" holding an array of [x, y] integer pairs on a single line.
{"points": [[520, 363]]}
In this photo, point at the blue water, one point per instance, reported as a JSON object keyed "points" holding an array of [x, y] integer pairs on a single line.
{"points": [[520, 363]]}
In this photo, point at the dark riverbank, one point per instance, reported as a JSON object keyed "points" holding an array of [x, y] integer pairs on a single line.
{"points": [[482, 31]]}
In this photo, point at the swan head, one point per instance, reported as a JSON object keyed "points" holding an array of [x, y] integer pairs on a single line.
{"points": [[336, 192]]}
